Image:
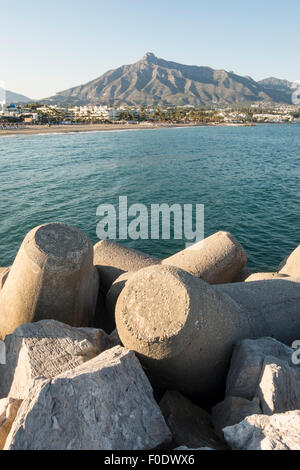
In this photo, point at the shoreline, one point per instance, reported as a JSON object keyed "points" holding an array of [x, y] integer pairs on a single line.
{"points": [[79, 128]]}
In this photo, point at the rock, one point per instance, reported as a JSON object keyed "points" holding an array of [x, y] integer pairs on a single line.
{"points": [[262, 432], [105, 404], [8, 411], [189, 424], [46, 348], [279, 387], [3, 276], [112, 260], [184, 329], [290, 266], [216, 259], [52, 277], [264, 276], [232, 411], [247, 364]]}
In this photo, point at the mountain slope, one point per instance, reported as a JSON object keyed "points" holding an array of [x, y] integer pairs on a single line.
{"points": [[15, 98], [277, 89], [153, 81]]}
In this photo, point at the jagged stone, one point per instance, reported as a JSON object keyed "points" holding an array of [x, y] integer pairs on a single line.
{"points": [[190, 425], [232, 411], [105, 404], [247, 364], [46, 348], [52, 277], [262, 432], [279, 387], [8, 411]]}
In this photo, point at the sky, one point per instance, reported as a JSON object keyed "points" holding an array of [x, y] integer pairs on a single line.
{"points": [[51, 45]]}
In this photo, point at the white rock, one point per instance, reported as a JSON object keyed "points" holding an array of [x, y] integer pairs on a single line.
{"points": [[106, 403], [247, 364], [190, 425], [262, 432], [232, 411], [46, 348], [279, 387]]}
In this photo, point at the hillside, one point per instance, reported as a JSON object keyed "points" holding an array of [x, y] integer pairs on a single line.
{"points": [[153, 81], [16, 98]]}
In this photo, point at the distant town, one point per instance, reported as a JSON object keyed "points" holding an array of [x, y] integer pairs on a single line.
{"points": [[16, 115]]}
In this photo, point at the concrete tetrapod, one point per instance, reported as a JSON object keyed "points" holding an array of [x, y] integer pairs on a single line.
{"points": [[113, 259], [291, 265], [184, 330], [52, 277], [216, 259]]}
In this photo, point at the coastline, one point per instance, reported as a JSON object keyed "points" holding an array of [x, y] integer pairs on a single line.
{"points": [[78, 128]]}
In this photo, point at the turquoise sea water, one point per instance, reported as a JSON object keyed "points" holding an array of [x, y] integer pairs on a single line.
{"points": [[248, 178]]}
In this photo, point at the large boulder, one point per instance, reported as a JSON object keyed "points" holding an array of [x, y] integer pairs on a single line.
{"points": [[262, 432], [231, 411], [190, 425], [52, 277], [279, 387], [247, 364], [105, 404], [46, 348], [8, 411]]}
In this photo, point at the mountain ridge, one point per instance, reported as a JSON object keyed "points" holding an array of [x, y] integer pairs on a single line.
{"points": [[153, 81]]}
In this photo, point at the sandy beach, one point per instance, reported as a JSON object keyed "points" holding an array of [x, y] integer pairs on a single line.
{"points": [[64, 129]]}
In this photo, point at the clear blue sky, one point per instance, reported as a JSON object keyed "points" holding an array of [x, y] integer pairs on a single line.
{"points": [[47, 46]]}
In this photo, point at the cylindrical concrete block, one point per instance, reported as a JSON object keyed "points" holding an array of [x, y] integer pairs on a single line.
{"points": [[291, 265], [108, 322], [52, 277], [264, 276], [184, 330], [216, 259], [112, 260]]}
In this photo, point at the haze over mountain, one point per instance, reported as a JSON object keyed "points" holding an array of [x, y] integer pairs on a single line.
{"points": [[152, 81]]}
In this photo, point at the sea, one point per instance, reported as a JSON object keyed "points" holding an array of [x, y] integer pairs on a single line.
{"points": [[247, 178]]}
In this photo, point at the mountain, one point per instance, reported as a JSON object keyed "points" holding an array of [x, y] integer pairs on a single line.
{"points": [[277, 89], [16, 98], [152, 81]]}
